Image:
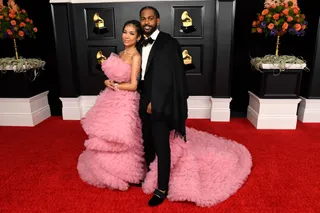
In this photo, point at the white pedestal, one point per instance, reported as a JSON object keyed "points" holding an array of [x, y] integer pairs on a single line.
{"points": [[24, 111], [309, 110], [70, 109], [220, 109], [199, 107], [272, 113]]}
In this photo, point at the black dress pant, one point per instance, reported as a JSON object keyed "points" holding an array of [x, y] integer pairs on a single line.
{"points": [[156, 132]]}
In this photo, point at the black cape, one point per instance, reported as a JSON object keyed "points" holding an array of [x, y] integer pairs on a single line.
{"points": [[169, 86]]}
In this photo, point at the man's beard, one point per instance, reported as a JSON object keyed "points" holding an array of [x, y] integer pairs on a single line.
{"points": [[152, 29]]}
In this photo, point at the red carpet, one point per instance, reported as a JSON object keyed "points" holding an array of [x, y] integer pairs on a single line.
{"points": [[38, 172]]}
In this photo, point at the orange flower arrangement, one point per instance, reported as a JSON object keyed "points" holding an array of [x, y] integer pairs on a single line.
{"points": [[278, 19], [15, 23]]}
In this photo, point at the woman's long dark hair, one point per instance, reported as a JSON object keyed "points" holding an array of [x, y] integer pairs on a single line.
{"points": [[139, 31]]}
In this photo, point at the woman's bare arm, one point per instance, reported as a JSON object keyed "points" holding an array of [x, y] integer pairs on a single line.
{"points": [[135, 71]]}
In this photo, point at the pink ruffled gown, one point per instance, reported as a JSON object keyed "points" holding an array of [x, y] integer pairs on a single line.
{"points": [[114, 150], [205, 170]]}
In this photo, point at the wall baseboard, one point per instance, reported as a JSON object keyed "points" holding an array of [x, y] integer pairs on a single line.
{"points": [[199, 107], [220, 109], [309, 110]]}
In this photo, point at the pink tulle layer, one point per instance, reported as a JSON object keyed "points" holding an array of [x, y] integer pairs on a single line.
{"points": [[206, 169], [116, 69], [114, 153]]}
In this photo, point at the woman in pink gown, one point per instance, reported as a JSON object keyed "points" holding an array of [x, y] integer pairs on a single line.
{"points": [[205, 170]]}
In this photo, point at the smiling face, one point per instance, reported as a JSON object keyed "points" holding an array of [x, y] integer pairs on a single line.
{"points": [[130, 35], [149, 21]]}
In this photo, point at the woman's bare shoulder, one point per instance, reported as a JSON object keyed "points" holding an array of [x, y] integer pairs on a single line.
{"points": [[136, 56], [121, 53]]}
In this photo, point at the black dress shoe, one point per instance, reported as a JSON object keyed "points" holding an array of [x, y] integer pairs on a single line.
{"points": [[157, 198]]}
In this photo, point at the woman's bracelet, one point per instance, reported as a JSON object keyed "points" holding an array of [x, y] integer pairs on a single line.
{"points": [[116, 86]]}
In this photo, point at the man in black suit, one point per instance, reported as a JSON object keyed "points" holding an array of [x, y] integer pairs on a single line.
{"points": [[163, 103]]}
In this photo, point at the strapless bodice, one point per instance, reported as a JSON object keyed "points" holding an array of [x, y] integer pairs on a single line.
{"points": [[116, 69]]}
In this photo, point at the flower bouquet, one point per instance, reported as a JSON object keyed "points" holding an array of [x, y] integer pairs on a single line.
{"points": [[15, 24], [278, 18]]}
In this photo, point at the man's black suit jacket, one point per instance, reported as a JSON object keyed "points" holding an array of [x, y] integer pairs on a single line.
{"points": [[165, 83]]}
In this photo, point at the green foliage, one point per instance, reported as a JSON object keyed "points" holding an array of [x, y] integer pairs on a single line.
{"points": [[281, 61], [21, 64]]}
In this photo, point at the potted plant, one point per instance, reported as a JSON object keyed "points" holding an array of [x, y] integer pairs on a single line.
{"points": [[15, 24], [278, 76]]}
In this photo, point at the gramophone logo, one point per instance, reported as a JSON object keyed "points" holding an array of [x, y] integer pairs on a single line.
{"points": [[100, 58], [187, 60], [99, 25], [187, 26]]}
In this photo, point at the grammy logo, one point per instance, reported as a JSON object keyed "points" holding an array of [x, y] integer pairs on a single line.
{"points": [[99, 27], [187, 26], [100, 58], [187, 60]]}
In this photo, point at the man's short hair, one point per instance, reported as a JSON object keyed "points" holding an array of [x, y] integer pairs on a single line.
{"points": [[156, 12]]}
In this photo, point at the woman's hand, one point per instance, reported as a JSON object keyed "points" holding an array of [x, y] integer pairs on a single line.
{"points": [[149, 109], [109, 83]]}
